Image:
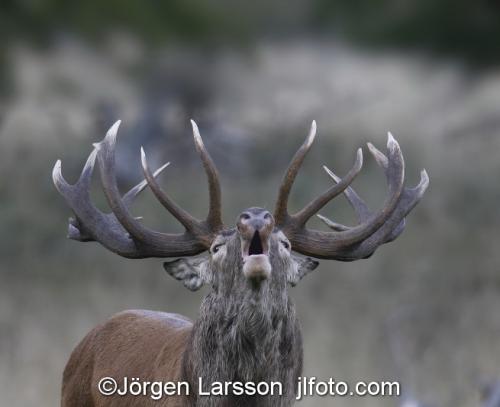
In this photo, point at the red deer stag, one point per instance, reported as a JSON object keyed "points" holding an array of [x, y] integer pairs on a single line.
{"points": [[247, 330]]}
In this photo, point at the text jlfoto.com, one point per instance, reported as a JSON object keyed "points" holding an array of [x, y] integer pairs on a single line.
{"points": [[306, 386]]}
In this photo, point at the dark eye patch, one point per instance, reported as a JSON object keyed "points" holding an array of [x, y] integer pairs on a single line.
{"points": [[215, 249], [285, 244]]}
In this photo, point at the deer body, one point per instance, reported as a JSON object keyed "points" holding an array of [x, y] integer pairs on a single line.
{"points": [[242, 335], [247, 329], [134, 344]]}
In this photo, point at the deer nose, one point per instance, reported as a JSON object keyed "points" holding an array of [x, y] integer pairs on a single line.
{"points": [[255, 220]]}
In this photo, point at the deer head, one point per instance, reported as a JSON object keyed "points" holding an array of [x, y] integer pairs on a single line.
{"points": [[259, 241]]}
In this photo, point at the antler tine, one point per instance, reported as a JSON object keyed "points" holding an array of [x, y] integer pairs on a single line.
{"points": [[281, 208], [188, 221], [359, 206], [75, 231], [106, 160], [129, 197], [315, 205], [338, 227], [110, 232], [214, 217], [213, 221], [394, 225]]}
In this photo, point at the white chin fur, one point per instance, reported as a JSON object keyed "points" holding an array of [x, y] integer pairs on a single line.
{"points": [[257, 266]]}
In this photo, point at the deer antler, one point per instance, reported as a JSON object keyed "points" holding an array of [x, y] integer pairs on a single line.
{"points": [[373, 229], [121, 232]]}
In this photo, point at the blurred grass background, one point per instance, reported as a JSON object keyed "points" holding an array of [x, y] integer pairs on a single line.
{"points": [[422, 310]]}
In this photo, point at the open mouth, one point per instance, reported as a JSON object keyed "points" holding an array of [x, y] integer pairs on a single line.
{"points": [[256, 265], [255, 247]]}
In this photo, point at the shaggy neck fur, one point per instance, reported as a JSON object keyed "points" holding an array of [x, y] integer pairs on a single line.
{"points": [[246, 333]]}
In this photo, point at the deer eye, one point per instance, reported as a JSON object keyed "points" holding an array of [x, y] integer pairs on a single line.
{"points": [[216, 248], [285, 244]]}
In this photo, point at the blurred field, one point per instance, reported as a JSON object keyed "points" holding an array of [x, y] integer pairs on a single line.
{"points": [[438, 284]]}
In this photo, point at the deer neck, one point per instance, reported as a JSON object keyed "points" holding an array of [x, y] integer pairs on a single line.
{"points": [[253, 337]]}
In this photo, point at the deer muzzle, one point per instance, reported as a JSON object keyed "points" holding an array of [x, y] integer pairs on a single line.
{"points": [[255, 226]]}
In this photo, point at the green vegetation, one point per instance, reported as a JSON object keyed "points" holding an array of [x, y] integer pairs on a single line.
{"points": [[463, 29], [466, 29]]}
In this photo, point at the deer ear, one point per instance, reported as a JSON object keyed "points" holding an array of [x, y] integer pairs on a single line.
{"points": [[193, 272], [301, 267]]}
